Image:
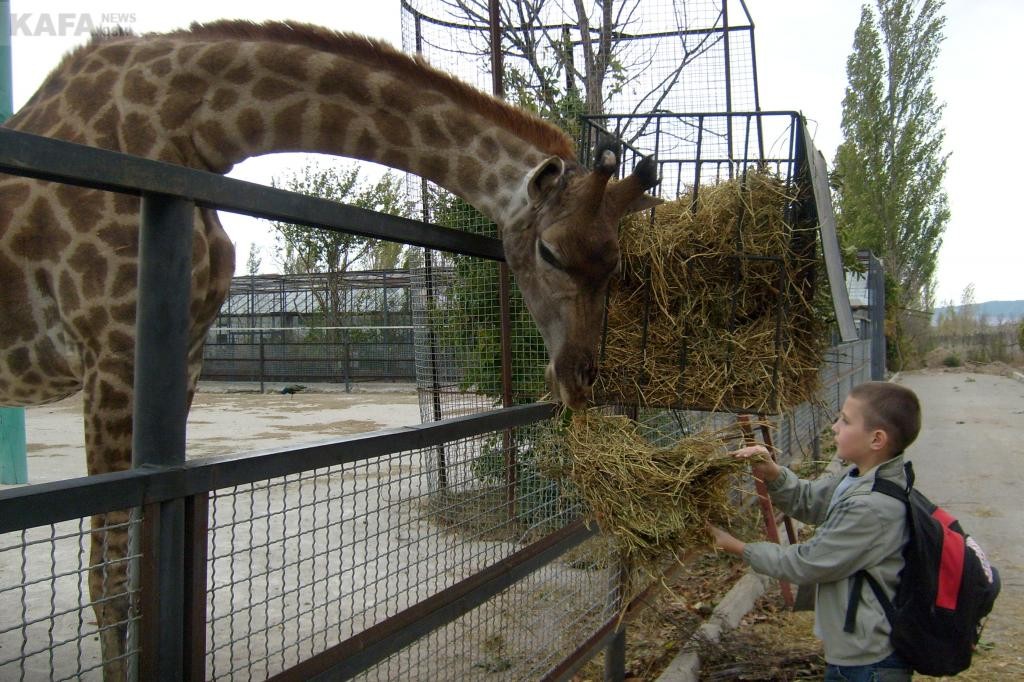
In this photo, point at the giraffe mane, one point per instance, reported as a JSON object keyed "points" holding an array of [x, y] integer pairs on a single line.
{"points": [[546, 136]]}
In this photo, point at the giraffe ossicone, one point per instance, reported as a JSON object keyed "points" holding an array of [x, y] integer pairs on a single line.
{"points": [[216, 94]]}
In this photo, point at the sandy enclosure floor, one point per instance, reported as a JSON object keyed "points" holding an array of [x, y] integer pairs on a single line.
{"points": [[229, 419]]}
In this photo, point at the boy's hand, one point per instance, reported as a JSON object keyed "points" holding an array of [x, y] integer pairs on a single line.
{"points": [[726, 542], [761, 463]]}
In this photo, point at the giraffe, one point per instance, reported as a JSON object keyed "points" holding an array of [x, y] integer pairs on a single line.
{"points": [[213, 95]]}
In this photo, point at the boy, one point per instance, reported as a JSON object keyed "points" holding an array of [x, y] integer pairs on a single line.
{"points": [[856, 529]]}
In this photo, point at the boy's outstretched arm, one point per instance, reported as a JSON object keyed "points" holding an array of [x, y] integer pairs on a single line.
{"points": [[761, 463], [727, 542]]}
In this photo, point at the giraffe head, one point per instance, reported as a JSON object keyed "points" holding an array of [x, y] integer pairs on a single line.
{"points": [[564, 251]]}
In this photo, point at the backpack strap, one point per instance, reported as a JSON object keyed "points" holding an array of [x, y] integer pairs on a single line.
{"points": [[886, 487], [851, 607]]}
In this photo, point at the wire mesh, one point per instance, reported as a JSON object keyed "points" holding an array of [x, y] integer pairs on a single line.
{"points": [[49, 629], [299, 563], [288, 328], [520, 633], [666, 55]]}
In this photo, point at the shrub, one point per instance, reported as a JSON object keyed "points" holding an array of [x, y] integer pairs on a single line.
{"points": [[952, 360]]}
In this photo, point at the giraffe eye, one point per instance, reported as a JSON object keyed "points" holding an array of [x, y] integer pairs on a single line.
{"points": [[548, 256]]}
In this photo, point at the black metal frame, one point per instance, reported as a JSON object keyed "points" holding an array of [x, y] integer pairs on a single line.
{"points": [[174, 492]]}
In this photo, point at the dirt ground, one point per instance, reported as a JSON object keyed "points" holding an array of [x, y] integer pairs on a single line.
{"points": [[229, 418]]}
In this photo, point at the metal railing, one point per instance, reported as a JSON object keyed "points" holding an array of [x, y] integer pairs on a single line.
{"points": [[175, 495]]}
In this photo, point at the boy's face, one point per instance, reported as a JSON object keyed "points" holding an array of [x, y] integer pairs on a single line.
{"points": [[855, 442]]}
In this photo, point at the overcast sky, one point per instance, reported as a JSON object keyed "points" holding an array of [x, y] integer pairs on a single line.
{"points": [[802, 46]]}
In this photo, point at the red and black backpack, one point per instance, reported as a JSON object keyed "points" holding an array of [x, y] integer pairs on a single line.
{"points": [[947, 587]]}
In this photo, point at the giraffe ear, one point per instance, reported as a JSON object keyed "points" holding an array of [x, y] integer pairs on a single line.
{"points": [[642, 203], [545, 179]]}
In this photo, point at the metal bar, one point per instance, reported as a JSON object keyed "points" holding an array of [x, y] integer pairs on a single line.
{"points": [[600, 638], [149, 593], [163, 323], [74, 498], [160, 412], [504, 283], [770, 528], [197, 509], [361, 651], [50, 159], [766, 436]]}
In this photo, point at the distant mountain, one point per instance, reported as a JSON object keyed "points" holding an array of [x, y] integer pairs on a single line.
{"points": [[991, 310]]}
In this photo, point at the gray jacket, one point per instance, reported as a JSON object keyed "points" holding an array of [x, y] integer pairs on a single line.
{"points": [[861, 531]]}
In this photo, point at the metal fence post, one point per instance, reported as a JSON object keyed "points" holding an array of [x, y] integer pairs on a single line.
{"points": [[263, 365], [161, 410]]}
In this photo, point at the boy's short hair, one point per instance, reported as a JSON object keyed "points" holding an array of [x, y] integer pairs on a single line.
{"points": [[892, 408]]}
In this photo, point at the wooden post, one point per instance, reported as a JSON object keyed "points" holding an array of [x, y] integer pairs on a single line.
{"points": [[767, 511]]}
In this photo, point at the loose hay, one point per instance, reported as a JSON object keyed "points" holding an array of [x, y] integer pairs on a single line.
{"points": [[716, 304], [653, 501]]}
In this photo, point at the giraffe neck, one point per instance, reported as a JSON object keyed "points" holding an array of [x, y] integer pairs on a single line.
{"points": [[364, 100]]}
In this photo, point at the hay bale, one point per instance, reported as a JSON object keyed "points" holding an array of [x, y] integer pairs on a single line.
{"points": [[716, 304], [653, 500]]}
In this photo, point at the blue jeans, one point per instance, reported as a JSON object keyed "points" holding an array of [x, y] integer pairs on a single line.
{"points": [[889, 669]]}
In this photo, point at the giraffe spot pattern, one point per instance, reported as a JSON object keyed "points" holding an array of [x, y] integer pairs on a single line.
{"points": [[216, 58], [395, 159], [251, 128], [150, 52], [106, 129], [125, 280], [431, 132], [137, 88], [121, 238], [86, 96], [289, 62], [161, 67], [114, 53], [18, 323], [223, 99], [434, 167], [216, 144], [140, 136], [488, 148], [67, 292], [334, 120], [124, 312], [41, 237], [83, 207], [91, 267], [112, 397], [288, 125], [186, 53], [392, 128], [270, 89], [12, 196], [469, 173], [120, 342], [239, 75], [366, 146]]}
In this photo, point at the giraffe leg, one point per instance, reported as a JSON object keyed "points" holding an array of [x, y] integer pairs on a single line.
{"points": [[109, 589], [107, 404]]}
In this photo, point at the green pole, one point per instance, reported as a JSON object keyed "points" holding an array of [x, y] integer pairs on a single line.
{"points": [[13, 453]]}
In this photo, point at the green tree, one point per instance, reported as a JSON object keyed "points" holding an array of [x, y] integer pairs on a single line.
{"points": [[565, 58], [253, 262], [324, 255], [890, 167]]}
